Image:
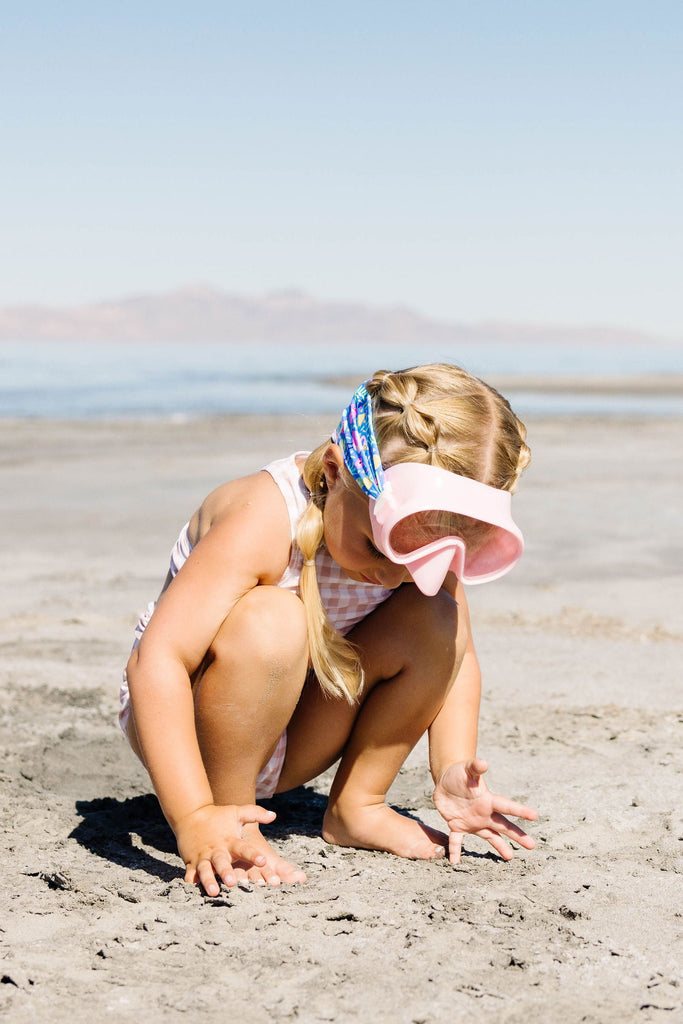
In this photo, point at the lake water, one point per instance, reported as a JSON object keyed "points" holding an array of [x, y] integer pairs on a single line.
{"points": [[124, 380]]}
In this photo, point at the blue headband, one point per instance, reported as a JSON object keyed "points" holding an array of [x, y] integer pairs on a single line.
{"points": [[355, 436]]}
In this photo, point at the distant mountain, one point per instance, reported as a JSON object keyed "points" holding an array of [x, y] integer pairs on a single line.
{"points": [[205, 314]]}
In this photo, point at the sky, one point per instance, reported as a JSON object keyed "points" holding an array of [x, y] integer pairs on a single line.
{"points": [[474, 161]]}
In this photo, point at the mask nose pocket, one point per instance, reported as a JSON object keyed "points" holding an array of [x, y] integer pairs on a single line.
{"points": [[429, 570]]}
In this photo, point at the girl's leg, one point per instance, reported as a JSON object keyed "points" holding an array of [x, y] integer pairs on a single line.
{"points": [[244, 696], [411, 648]]}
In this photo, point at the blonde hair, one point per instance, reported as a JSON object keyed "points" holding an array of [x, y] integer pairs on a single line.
{"points": [[439, 415]]}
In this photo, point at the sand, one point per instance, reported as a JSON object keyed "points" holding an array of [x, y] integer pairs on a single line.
{"points": [[581, 651]]}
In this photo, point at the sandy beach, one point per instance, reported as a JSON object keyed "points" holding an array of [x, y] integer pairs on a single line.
{"points": [[581, 648]]}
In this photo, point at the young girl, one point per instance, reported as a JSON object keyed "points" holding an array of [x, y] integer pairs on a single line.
{"points": [[316, 610]]}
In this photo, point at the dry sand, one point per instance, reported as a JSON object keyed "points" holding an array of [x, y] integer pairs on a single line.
{"points": [[581, 650]]}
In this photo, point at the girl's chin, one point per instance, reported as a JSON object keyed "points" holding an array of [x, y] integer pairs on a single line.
{"points": [[359, 577]]}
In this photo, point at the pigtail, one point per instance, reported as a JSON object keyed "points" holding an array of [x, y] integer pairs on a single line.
{"points": [[334, 660]]}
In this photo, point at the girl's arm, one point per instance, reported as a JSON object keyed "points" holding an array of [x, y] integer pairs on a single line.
{"points": [[246, 543], [461, 795], [453, 733]]}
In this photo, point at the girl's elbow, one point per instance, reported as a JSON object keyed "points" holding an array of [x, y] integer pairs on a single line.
{"points": [[132, 665]]}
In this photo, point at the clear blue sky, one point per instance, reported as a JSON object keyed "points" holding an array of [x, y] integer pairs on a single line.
{"points": [[473, 160]]}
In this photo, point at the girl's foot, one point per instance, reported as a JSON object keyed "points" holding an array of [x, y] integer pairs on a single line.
{"points": [[378, 827], [276, 870]]}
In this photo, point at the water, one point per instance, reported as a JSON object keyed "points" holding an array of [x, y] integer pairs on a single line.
{"points": [[124, 380]]}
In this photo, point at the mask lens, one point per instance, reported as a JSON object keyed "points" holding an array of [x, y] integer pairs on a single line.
{"points": [[419, 529]]}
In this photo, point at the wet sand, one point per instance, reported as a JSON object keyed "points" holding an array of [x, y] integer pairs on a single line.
{"points": [[581, 648]]}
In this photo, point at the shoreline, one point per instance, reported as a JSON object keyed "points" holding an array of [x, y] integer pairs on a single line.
{"points": [[262, 423], [580, 384], [533, 397]]}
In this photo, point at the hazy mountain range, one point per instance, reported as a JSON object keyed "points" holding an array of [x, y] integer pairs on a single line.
{"points": [[206, 314]]}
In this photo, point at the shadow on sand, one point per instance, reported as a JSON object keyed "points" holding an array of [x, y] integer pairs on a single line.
{"points": [[109, 828]]}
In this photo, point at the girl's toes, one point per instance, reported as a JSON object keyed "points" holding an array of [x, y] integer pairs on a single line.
{"points": [[294, 877], [289, 873]]}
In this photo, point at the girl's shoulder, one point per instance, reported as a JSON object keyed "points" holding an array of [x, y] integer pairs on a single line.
{"points": [[251, 513], [279, 484], [256, 493]]}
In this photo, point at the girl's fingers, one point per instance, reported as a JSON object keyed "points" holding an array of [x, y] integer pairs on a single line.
{"points": [[253, 876], [454, 847], [240, 862], [509, 828], [222, 865], [265, 876], [519, 837], [208, 878], [251, 813], [503, 806], [243, 850], [497, 842]]}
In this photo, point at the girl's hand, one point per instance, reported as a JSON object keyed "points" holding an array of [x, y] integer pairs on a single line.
{"points": [[463, 799], [210, 843]]}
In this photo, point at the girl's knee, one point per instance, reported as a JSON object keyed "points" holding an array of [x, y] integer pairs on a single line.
{"points": [[429, 630], [267, 622], [430, 618]]}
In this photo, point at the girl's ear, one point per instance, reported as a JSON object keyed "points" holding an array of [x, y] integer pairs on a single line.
{"points": [[333, 462]]}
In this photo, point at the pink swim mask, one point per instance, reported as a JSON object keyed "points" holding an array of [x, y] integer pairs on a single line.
{"points": [[408, 488]]}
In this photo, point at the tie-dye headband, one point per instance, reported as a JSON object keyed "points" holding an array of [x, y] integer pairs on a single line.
{"points": [[355, 436]]}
